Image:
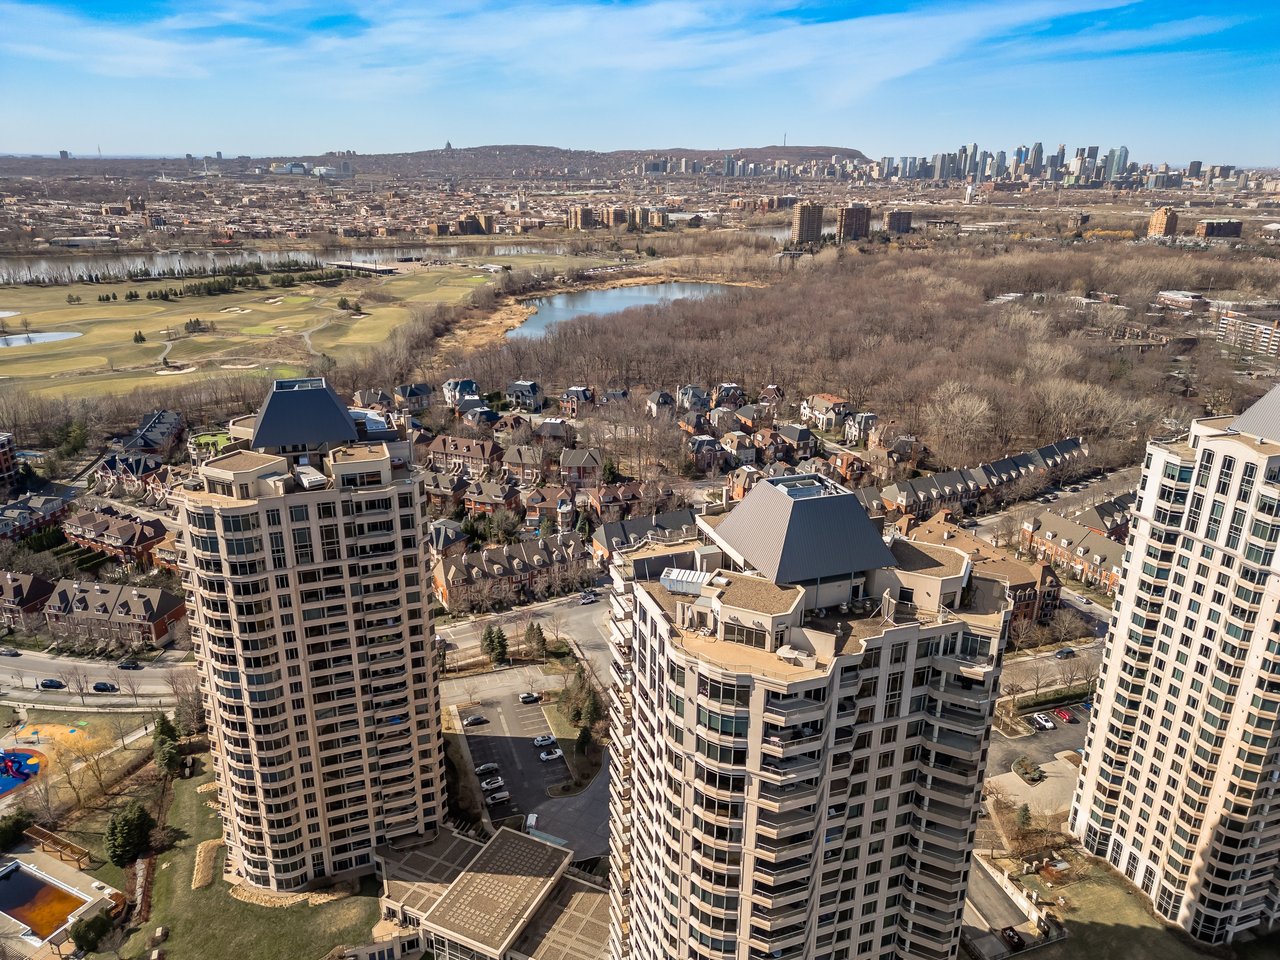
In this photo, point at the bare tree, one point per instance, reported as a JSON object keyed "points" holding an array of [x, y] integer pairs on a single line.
{"points": [[1039, 674], [188, 702], [78, 681], [131, 684], [41, 799]]}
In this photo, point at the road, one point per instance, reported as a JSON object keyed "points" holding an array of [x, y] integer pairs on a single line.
{"points": [[992, 904], [1030, 672], [24, 673]]}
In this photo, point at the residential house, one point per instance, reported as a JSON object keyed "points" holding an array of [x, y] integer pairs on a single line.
{"points": [[772, 397], [1089, 556], [739, 482], [554, 430], [413, 397], [468, 403], [472, 457], [486, 497], [1032, 586], [445, 538], [728, 395], [454, 391], [22, 599], [482, 418], [659, 403], [723, 419], [616, 395], [610, 502], [922, 497], [752, 417], [114, 612], [167, 552], [799, 441], [554, 504], [576, 400], [373, 397], [816, 465], [512, 574], [580, 467], [849, 467], [523, 463], [769, 445], [693, 422], [508, 425], [1109, 517], [707, 452], [858, 427], [158, 432], [127, 539], [525, 395], [444, 488], [825, 411], [132, 475], [739, 447], [693, 398], [31, 514], [609, 538]]}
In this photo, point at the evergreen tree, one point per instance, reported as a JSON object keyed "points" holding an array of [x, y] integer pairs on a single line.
{"points": [[536, 640], [1023, 817], [164, 729], [128, 832], [498, 648]]}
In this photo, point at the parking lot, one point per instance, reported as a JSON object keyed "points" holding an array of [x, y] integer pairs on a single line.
{"points": [[1040, 746], [507, 740]]}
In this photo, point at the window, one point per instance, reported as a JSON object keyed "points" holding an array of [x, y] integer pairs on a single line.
{"points": [[748, 636], [299, 513]]}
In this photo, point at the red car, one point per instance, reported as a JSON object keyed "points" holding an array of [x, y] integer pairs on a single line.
{"points": [[1065, 715]]}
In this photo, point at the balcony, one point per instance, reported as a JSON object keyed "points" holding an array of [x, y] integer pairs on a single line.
{"points": [[790, 769], [793, 711], [790, 741], [785, 824], [787, 797]]}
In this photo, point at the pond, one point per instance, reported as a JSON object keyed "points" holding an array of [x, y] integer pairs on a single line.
{"points": [[566, 306], [26, 339]]}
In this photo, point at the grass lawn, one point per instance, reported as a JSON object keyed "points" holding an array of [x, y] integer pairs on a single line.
{"points": [[107, 723], [1107, 919], [212, 925]]}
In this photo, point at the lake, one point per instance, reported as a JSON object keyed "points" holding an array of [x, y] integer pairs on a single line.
{"points": [[27, 339], [566, 306]]}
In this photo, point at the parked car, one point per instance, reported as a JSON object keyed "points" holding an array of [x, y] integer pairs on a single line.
{"points": [[1065, 715], [474, 720], [486, 768], [105, 686], [530, 698], [52, 685], [1066, 653], [1012, 938], [10, 652], [128, 665], [586, 598], [493, 799], [548, 755], [493, 783], [1085, 601], [1086, 706], [1045, 721], [546, 740]]}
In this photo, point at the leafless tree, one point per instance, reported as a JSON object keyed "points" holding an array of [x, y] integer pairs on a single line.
{"points": [[188, 702], [78, 682], [131, 684]]}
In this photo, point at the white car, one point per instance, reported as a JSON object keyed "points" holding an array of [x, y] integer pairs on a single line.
{"points": [[1044, 721], [545, 740], [493, 783], [493, 799], [548, 755]]}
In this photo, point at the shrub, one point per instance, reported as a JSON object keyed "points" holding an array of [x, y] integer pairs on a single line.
{"points": [[12, 826], [86, 933]]}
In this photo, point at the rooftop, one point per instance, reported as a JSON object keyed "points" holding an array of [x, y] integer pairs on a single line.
{"points": [[755, 593], [242, 460], [927, 558], [489, 903], [304, 412], [572, 925]]}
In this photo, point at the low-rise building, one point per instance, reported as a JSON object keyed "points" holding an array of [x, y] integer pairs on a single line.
{"points": [[581, 467], [472, 457], [158, 432], [486, 497], [525, 395], [128, 539], [114, 612], [31, 514], [22, 599], [1090, 557], [516, 573], [825, 411]]}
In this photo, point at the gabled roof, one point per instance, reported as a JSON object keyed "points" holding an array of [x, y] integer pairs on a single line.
{"points": [[802, 529], [305, 412]]}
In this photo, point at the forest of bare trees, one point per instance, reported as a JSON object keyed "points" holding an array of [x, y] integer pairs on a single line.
{"points": [[910, 334]]}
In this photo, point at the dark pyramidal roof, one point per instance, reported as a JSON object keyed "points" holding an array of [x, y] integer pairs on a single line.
{"points": [[304, 412]]}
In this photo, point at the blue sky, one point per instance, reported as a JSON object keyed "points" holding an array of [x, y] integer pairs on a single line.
{"points": [[1172, 80]]}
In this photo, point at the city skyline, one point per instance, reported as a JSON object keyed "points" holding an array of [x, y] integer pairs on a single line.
{"points": [[704, 75]]}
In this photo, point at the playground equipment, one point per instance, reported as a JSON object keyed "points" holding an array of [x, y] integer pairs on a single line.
{"points": [[11, 766]]}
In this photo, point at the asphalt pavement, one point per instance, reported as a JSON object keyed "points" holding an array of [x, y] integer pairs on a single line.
{"points": [[21, 675], [1040, 746], [992, 904]]}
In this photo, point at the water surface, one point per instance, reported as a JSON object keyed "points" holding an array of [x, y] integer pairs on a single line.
{"points": [[566, 306]]}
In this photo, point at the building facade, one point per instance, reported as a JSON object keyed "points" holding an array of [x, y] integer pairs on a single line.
{"points": [[801, 716], [806, 223], [853, 222], [304, 556], [1180, 784], [1163, 223]]}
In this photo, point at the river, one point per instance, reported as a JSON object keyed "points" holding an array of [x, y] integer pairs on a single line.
{"points": [[119, 265]]}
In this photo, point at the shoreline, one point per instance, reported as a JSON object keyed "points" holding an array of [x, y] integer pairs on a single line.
{"points": [[513, 310]]}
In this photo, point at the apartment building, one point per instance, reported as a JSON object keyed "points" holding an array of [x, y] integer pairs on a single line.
{"points": [[806, 223], [801, 716], [853, 222], [1163, 223], [8, 463], [897, 221], [1180, 784], [304, 558]]}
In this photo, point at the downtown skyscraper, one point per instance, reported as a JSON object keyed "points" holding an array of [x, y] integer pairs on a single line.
{"points": [[1180, 784]]}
